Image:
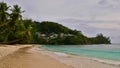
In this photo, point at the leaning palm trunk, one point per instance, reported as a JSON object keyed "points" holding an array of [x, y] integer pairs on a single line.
{"points": [[11, 42]]}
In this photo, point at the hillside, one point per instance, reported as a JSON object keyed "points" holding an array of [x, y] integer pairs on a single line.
{"points": [[46, 27], [54, 33]]}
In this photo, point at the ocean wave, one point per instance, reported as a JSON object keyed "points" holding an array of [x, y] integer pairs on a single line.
{"points": [[61, 54], [110, 62]]}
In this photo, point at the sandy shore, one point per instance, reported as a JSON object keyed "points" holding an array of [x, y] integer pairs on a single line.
{"points": [[79, 61], [29, 58], [39, 58], [8, 49]]}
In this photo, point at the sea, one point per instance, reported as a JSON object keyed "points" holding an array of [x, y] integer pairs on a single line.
{"points": [[103, 51]]}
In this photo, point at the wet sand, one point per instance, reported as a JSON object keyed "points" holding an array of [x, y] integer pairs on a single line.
{"points": [[29, 58]]}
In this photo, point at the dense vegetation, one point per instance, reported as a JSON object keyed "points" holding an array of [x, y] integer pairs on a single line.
{"points": [[14, 29], [54, 33]]}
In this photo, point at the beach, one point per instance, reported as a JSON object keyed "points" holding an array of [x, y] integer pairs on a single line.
{"points": [[9, 49], [34, 57], [26, 57]]}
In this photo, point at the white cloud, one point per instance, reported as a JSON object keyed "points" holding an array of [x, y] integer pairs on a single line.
{"points": [[109, 17], [113, 26], [82, 9]]}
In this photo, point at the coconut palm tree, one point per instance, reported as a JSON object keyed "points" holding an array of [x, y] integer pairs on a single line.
{"points": [[16, 13], [3, 12], [4, 16], [20, 30]]}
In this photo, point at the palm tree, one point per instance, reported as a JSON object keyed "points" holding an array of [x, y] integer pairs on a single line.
{"points": [[12, 28], [4, 16], [3, 12], [16, 13], [16, 26], [20, 30]]}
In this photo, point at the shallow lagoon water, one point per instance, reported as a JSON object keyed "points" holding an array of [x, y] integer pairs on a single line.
{"points": [[103, 51]]}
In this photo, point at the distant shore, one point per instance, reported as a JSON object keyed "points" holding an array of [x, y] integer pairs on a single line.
{"points": [[26, 57]]}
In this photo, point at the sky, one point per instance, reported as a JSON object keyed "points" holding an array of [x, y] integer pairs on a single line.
{"points": [[89, 16]]}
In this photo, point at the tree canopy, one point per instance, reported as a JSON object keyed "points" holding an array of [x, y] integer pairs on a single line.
{"points": [[54, 33], [12, 28]]}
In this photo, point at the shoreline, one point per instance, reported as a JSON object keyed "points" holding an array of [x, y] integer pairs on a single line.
{"points": [[105, 61], [76, 61], [26, 57]]}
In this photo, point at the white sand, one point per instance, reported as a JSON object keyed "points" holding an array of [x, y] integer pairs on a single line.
{"points": [[9, 49], [27, 57]]}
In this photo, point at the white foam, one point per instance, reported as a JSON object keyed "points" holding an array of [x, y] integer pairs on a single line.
{"points": [[117, 63], [61, 54]]}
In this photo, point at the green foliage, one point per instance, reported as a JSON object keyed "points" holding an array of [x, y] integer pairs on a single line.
{"points": [[47, 27], [12, 28], [102, 39], [54, 33], [3, 12]]}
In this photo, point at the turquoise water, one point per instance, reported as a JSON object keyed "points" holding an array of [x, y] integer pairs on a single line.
{"points": [[111, 52]]}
